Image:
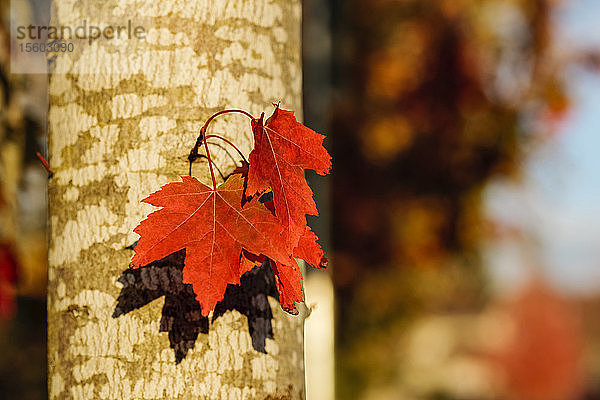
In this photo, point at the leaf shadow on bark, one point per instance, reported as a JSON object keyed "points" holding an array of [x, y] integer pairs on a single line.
{"points": [[181, 316]]}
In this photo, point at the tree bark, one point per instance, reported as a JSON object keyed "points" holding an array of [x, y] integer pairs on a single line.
{"points": [[123, 117]]}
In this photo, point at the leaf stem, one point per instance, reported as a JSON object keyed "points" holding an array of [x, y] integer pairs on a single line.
{"points": [[232, 110], [202, 138], [229, 143], [212, 173]]}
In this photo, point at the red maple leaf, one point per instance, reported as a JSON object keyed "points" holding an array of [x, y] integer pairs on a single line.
{"points": [[288, 276], [309, 250], [213, 227], [288, 279], [283, 147]]}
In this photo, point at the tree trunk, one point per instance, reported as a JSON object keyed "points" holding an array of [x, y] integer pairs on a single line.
{"points": [[123, 117]]}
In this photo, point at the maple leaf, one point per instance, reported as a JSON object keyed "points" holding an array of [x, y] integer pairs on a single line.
{"points": [[181, 313], [213, 227], [248, 261], [309, 250], [283, 147], [288, 276], [288, 279]]}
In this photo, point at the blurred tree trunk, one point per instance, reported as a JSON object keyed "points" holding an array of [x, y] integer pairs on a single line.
{"points": [[123, 116]]}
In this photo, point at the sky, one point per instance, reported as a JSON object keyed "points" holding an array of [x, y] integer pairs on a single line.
{"points": [[558, 203]]}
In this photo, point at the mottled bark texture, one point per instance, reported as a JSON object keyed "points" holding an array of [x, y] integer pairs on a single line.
{"points": [[123, 117]]}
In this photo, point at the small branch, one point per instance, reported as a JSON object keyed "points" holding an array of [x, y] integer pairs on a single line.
{"points": [[45, 164]]}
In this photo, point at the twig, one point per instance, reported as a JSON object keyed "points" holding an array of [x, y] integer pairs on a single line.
{"points": [[45, 164]]}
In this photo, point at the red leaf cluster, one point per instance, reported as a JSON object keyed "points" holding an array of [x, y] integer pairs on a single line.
{"points": [[227, 230]]}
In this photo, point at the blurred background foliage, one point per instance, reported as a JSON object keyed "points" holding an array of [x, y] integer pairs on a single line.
{"points": [[431, 101], [426, 104], [23, 254]]}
